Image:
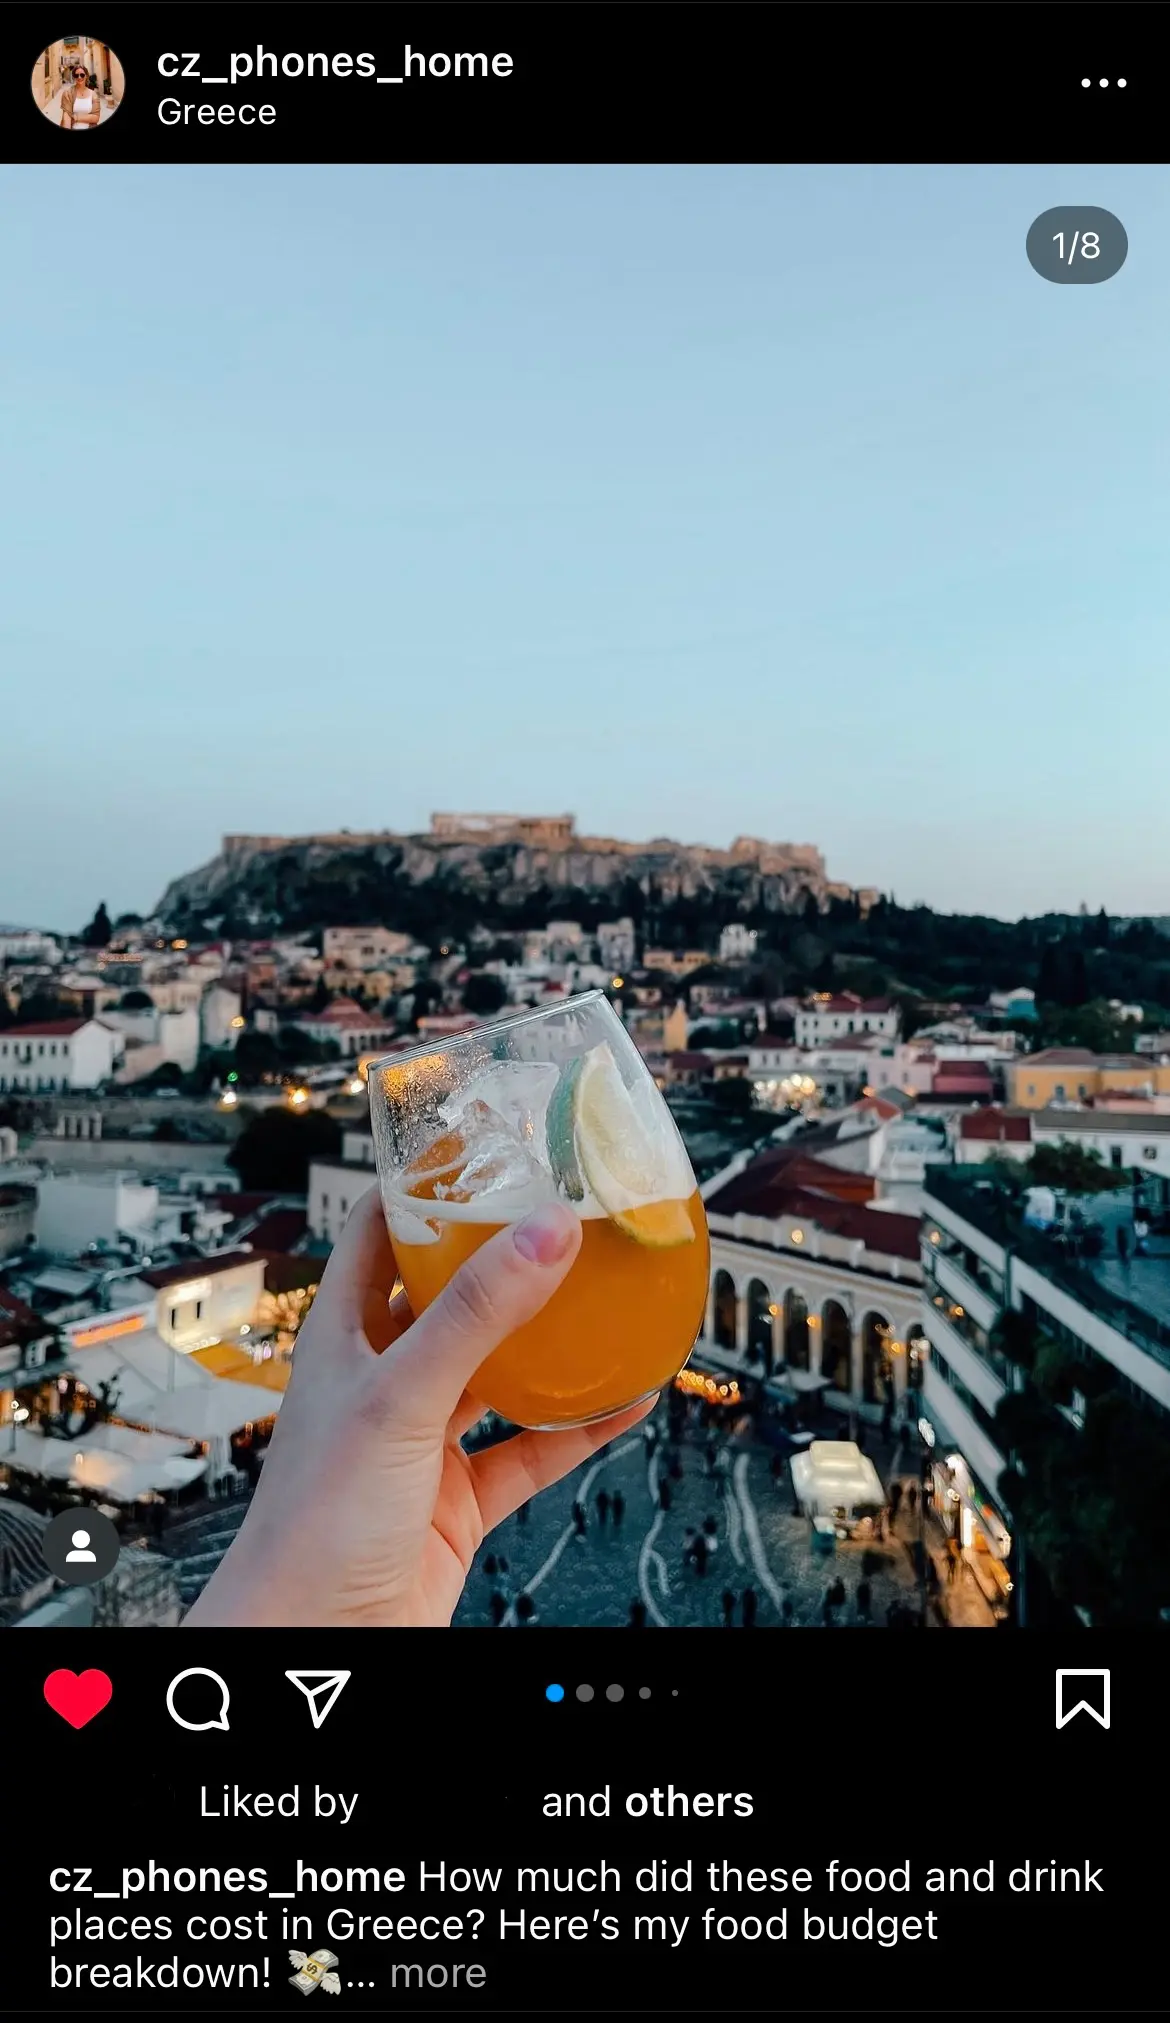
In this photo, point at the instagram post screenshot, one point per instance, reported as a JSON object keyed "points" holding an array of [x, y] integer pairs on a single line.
{"points": [[584, 1009]]}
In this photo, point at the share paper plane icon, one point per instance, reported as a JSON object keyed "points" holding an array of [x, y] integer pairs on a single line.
{"points": [[322, 1690]]}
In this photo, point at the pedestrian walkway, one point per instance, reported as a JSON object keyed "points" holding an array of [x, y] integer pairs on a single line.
{"points": [[673, 1491]]}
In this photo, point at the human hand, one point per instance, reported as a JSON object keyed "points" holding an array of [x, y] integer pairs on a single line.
{"points": [[368, 1512]]}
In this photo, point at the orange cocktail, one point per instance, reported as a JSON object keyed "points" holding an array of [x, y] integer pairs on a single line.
{"points": [[474, 1134], [618, 1328]]}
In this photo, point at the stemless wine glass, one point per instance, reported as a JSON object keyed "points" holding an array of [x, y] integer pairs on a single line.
{"points": [[474, 1132]]}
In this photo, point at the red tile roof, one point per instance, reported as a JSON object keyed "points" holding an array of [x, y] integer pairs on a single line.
{"points": [[764, 1186], [961, 1078], [875, 1106], [847, 1002], [239, 1205], [47, 1029], [353, 1019], [13, 1309], [1005, 1127], [772, 1194], [280, 1230], [683, 1061], [195, 1268], [283, 1273]]}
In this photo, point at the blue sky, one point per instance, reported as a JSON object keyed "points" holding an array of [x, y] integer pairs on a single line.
{"points": [[695, 501]]}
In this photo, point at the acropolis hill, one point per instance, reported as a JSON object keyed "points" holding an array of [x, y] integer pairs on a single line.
{"points": [[490, 869]]}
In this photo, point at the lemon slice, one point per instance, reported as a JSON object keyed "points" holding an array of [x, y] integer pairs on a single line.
{"points": [[597, 1140]]}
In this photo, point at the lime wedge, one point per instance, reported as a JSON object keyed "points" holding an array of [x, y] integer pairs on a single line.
{"points": [[598, 1140], [561, 1132]]}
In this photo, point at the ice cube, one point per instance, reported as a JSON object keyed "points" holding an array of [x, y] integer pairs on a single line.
{"points": [[499, 1163], [516, 1092]]}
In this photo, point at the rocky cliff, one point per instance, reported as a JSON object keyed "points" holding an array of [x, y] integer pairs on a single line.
{"points": [[427, 884]]}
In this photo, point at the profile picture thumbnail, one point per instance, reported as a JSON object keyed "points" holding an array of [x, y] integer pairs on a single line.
{"points": [[78, 83]]}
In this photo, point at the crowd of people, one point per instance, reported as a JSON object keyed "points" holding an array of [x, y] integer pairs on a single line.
{"points": [[712, 1436]]}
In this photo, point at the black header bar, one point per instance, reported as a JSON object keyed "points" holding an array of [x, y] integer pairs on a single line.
{"points": [[645, 83]]}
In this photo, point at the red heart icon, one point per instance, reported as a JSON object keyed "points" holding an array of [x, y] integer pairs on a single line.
{"points": [[78, 1696]]}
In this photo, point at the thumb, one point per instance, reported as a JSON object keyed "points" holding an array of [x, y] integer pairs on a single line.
{"points": [[504, 1284]]}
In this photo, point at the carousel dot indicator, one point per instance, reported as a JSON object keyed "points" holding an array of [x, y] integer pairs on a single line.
{"points": [[554, 1692], [643, 1692], [584, 1692], [615, 1692]]}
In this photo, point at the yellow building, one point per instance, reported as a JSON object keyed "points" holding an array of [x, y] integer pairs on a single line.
{"points": [[672, 963], [1063, 1075], [51, 71]]}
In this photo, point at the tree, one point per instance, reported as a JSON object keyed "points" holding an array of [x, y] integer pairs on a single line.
{"points": [[734, 1094], [1076, 1169], [484, 993], [724, 1033], [1088, 1501], [167, 1075], [97, 934], [1091, 1025], [256, 1055], [427, 993], [273, 1152], [1012, 1175], [135, 1000]]}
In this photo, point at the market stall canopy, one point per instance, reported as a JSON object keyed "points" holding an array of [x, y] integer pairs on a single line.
{"points": [[834, 1477], [222, 1360], [208, 1411], [111, 1461], [160, 1387]]}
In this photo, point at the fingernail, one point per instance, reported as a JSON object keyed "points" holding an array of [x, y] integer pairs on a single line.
{"points": [[544, 1238]]}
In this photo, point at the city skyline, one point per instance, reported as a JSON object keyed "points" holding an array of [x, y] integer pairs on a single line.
{"points": [[702, 501]]}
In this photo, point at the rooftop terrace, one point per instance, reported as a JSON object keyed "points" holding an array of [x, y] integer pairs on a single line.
{"points": [[1131, 1296]]}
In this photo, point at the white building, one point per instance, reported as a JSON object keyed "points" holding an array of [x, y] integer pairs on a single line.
{"points": [[961, 1039], [153, 1037], [363, 947], [59, 1055], [205, 1300], [737, 943], [989, 1132], [77, 1209], [816, 1293], [560, 941], [336, 1184], [783, 1073], [979, 1262], [1009, 1001], [829, 1017], [617, 945], [346, 1026], [221, 1017], [1122, 1138], [28, 944]]}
